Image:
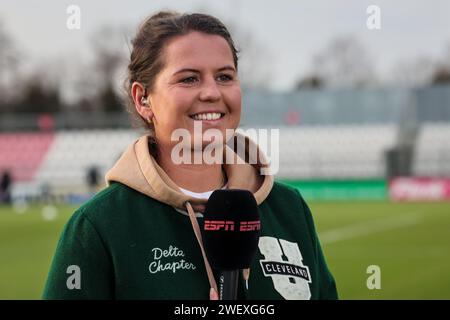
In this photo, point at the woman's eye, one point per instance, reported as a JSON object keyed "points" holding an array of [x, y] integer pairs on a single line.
{"points": [[189, 80], [225, 77]]}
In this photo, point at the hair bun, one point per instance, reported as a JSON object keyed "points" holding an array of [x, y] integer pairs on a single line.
{"points": [[164, 15]]}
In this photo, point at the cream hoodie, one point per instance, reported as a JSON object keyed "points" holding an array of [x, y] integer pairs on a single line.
{"points": [[138, 169]]}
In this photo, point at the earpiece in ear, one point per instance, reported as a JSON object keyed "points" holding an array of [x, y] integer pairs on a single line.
{"points": [[144, 98]]}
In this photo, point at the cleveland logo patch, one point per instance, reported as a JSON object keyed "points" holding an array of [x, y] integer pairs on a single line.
{"points": [[283, 263]]}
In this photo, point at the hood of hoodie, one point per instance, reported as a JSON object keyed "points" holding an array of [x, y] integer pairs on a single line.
{"points": [[138, 169]]}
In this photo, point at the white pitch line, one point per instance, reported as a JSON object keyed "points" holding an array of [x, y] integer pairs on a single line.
{"points": [[365, 228]]}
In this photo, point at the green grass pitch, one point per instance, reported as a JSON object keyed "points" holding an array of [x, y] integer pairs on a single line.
{"points": [[410, 242]]}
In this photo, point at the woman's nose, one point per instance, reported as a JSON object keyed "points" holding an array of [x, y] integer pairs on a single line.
{"points": [[210, 91]]}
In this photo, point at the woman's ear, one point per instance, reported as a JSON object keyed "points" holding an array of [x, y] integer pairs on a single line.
{"points": [[141, 101]]}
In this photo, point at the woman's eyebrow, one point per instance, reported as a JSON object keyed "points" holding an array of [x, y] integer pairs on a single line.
{"points": [[231, 68], [186, 70]]}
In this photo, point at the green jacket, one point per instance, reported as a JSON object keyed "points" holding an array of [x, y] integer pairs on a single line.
{"points": [[134, 240]]}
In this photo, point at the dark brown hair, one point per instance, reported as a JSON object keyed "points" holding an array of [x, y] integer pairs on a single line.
{"points": [[146, 59]]}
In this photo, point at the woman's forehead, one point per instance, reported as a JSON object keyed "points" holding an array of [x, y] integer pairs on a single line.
{"points": [[197, 50]]}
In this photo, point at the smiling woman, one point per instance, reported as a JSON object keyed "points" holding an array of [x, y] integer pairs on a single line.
{"points": [[183, 75], [183, 68], [198, 82]]}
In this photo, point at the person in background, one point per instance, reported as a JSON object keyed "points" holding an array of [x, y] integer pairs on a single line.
{"points": [[92, 179], [5, 187]]}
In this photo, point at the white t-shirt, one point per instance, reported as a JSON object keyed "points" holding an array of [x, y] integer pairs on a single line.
{"points": [[200, 195]]}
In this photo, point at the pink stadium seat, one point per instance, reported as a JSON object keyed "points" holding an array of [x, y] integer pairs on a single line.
{"points": [[23, 153]]}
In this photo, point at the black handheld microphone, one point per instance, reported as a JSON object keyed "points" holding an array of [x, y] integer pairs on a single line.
{"points": [[231, 233]]}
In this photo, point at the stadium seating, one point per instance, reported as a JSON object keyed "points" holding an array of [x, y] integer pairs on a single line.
{"points": [[432, 152], [60, 161], [23, 153], [74, 152], [350, 151]]}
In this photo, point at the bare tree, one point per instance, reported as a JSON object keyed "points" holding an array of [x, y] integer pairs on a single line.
{"points": [[39, 94], [421, 71], [110, 52], [9, 61], [446, 56], [310, 81], [413, 72], [255, 69], [441, 76], [442, 73], [344, 63]]}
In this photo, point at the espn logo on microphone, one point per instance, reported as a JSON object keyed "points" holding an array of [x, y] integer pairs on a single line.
{"points": [[217, 225], [250, 225]]}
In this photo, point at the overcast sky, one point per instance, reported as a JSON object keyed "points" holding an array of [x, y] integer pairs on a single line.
{"points": [[289, 31]]}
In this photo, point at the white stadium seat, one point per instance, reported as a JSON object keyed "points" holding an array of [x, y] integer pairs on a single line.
{"points": [[432, 152], [350, 151]]}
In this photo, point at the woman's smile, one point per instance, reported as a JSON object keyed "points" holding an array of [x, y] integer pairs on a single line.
{"points": [[210, 118]]}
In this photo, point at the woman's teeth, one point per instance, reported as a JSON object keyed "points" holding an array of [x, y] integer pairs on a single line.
{"points": [[207, 116]]}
